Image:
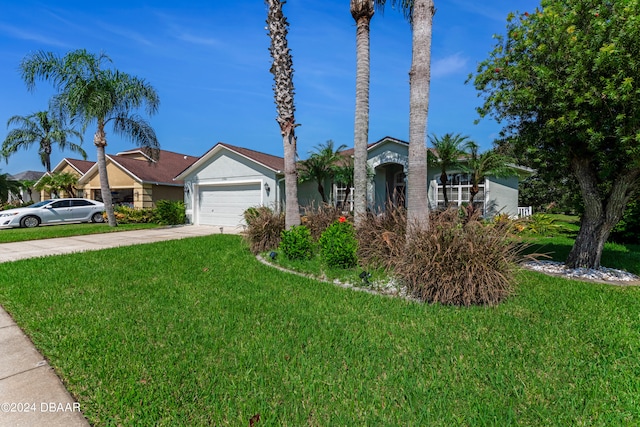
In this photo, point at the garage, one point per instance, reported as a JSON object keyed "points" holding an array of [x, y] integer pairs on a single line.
{"points": [[224, 204]]}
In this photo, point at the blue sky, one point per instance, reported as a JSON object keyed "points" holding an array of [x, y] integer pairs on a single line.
{"points": [[209, 62]]}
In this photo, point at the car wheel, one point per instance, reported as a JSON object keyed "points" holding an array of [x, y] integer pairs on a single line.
{"points": [[30, 221], [97, 217]]}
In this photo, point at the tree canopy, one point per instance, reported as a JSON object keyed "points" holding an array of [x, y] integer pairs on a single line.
{"points": [[564, 81]]}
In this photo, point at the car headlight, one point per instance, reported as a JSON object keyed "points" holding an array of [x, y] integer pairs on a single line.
{"points": [[8, 214]]}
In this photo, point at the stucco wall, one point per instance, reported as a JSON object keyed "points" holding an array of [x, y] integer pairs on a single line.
{"points": [[502, 196]]}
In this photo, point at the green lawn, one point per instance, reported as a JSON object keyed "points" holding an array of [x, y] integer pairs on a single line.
{"points": [[47, 232], [197, 332]]}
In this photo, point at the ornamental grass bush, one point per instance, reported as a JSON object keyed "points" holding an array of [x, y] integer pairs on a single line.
{"points": [[381, 238], [318, 218], [264, 227], [459, 261]]}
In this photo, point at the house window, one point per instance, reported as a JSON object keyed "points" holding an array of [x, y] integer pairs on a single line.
{"points": [[339, 197], [459, 191]]}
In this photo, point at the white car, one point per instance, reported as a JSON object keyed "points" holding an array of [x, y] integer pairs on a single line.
{"points": [[54, 211]]}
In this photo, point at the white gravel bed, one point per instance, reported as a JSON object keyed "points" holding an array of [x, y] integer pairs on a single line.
{"points": [[602, 274]]}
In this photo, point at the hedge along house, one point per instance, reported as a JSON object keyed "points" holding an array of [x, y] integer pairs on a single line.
{"points": [[137, 180], [228, 179]]}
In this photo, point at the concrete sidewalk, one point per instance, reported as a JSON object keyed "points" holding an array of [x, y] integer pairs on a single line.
{"points": [[30, 392]]}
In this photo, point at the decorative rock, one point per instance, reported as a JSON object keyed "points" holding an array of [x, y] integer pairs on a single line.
{"points": [[602, 274]]}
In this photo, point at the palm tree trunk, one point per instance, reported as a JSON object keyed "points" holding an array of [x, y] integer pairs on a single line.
{"points": [[292, 208], [100, 141], [444, 179], [362, 12], [420, 75], [282, 70]]}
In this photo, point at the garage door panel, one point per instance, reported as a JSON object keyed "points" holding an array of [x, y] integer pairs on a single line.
{"points": [[225, 204]]}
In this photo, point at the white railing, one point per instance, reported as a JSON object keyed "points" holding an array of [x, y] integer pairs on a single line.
{"points": [[524, 211]]}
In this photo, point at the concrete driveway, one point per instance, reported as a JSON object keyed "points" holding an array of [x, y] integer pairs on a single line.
{"points": [[93, 242]]}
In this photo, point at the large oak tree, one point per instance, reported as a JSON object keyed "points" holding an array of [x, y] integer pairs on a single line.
{"points": [[564, 81]]}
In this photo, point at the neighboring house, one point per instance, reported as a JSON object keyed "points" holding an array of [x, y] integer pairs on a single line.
{"points": [[227, 180], [24, 194], [137, 180], [73, 166]]}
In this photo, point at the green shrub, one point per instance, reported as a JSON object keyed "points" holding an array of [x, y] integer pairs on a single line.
{"points": [[169, 212], [628, 229], [338, 244], [127, 215], [296, 243], [542, 224], [457, 262], [264, 227]]}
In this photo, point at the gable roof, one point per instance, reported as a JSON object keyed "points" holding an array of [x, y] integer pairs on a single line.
{"points": [[81, 166], [269, 161], [349, 151], [161, 171]]}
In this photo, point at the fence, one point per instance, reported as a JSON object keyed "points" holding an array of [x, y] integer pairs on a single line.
{"points": [[524, 211]]}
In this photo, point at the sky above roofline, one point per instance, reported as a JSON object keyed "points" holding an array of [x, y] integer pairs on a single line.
{"points": [[209, 62]]}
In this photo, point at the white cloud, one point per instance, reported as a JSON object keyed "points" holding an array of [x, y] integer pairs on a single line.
{"points": [[448, 65], [31, 36], [206, 41]]}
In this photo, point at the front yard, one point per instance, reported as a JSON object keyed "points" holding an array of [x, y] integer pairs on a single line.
{"points": [[198, 332]]}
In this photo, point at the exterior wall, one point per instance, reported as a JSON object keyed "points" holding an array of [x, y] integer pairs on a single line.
{"points": [[227, 167], [501, 196], [118, 179], [165, 192], [308, 195]]}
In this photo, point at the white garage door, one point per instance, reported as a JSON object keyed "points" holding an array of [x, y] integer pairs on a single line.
{"points": [[225, 204]]}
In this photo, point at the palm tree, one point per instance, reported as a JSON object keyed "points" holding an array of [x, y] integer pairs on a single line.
{"points": [[419, 80], [27, 185], [449, 150], [420, 14], [489, 163], [93, 95], [282, 70], [343, 173], [319, 167], [8, 185], [362, 11], [44, 128], [57, 182]]}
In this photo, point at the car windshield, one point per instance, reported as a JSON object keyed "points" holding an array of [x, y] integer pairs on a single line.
{"points": [[42, 203]]}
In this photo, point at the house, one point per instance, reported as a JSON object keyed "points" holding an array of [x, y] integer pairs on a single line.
{"points": [[228, 179], [137, 179], [26, 194], [72, 166]]}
